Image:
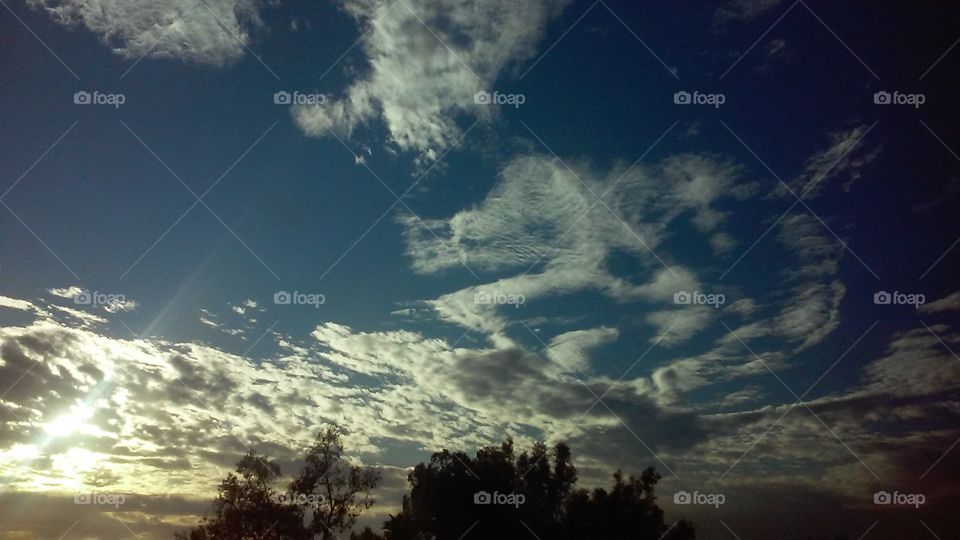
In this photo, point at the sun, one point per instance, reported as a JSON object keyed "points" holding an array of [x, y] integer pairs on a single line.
{"points": [[69, 423]]}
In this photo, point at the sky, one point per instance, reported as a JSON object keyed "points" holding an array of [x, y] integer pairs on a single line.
{"points": [[715, 238]]}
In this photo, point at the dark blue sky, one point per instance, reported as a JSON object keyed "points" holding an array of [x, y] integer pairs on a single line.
{"points": [[596, 200]]}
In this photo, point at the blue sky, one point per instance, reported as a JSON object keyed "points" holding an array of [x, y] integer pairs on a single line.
{"points": [[404, 204]]}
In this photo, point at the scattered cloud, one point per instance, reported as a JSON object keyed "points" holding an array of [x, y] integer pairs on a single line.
{"points": [[109, 302], [80, 316], [948, 303], [203, 32], [426, 60], [742, 11], [16, 303], [722, 243], [675, 326], [84, 411], [570, 349], [843, 160], [208, 319], [66, 292], [775, 48], [544, 222]]}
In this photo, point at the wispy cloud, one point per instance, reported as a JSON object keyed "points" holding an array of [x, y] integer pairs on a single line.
{"points": [[197, 31], [742, 10], [426, 61]]}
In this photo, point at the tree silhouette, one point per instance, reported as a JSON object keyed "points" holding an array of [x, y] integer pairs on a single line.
{"points": [[247, 506], [324, 498], [495, 494], [454, 493], [341, 490], [629, 509]]}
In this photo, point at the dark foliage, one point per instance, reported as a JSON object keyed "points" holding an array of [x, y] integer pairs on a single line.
{"points": [[497, 494], [324, 499], [454, 493]]}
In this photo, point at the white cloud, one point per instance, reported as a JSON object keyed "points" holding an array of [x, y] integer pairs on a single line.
{"points": [[208, 320], [750, 394], [569, 350], [544, 223], [66, 292], [811, 296], [162, 417], [82, 316], [675, 326], [666, 282], [112, 303], [165, 418], [120, 305], [916, 363], [809, 312], [722, 243], [133, 390], [743, 306], [947, 303], [16, 303], [813, 315], [207, 32], [807, 240], [243, 307], [742, 10], [844, 159], [775, 48], [426, 60]]}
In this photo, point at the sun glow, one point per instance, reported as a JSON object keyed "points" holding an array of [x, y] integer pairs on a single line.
{"points": [[70, 423], [22, 452]]}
